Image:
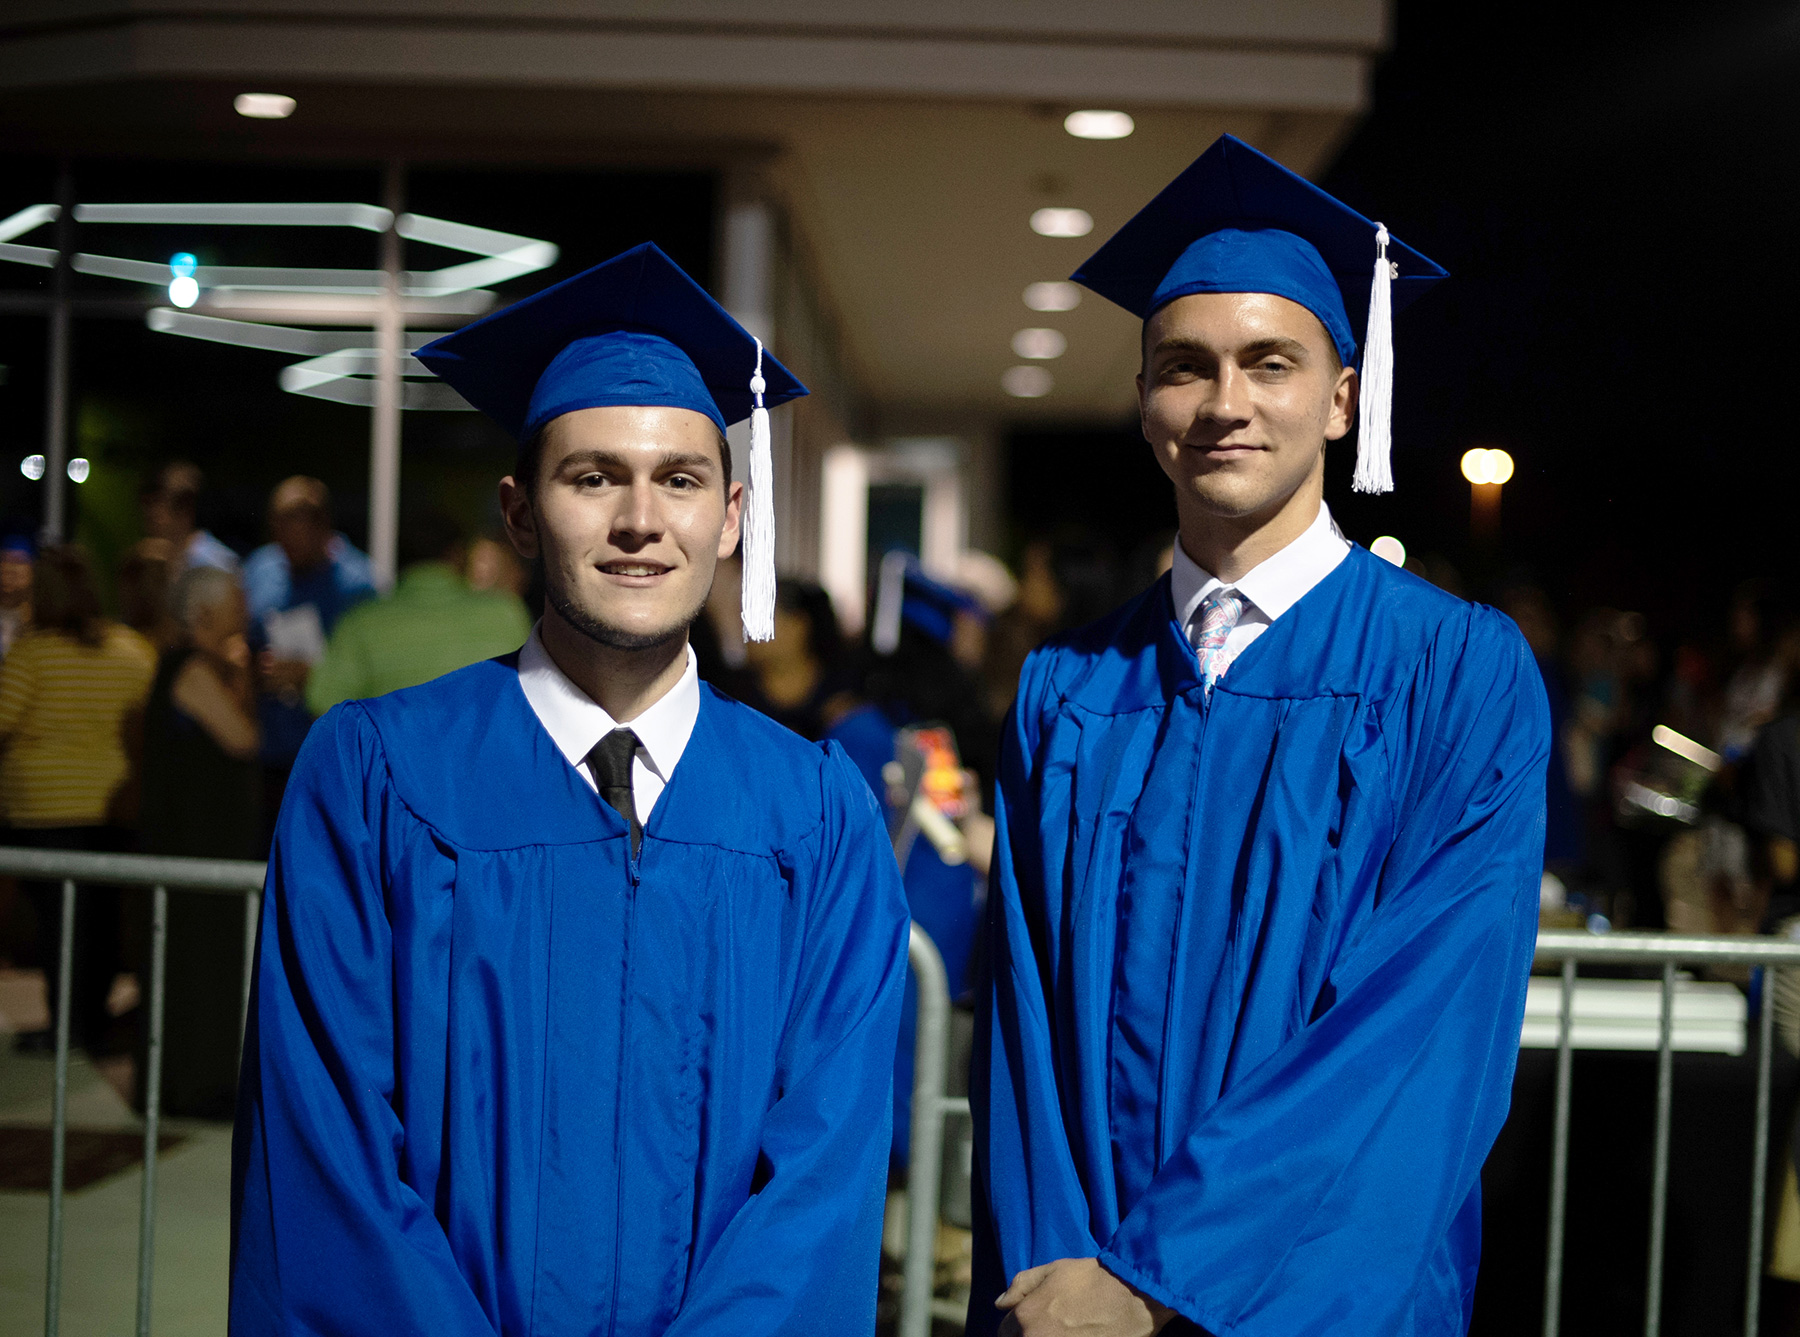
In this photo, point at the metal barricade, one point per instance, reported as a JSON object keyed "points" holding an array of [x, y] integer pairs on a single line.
{"points": [[227, 877], [925, 1169], [930, 1106], [1667, 951]]}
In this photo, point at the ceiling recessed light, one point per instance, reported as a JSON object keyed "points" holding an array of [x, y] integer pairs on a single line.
{"points": [[78, 470], [1062, 222], [1026, 382], [264, 106], [1052, 295], [1039, 343], [32, 466], [1098, 124]]}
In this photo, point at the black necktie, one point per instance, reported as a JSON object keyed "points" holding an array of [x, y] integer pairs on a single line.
{"points": [[610, 762]]}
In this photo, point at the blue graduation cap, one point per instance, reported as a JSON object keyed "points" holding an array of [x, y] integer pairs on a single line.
{"points": [[1238, 221], [634, 330], [905, 594]]}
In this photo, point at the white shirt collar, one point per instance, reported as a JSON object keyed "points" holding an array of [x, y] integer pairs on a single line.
{"points": [[575, 722], [1273, 585]]}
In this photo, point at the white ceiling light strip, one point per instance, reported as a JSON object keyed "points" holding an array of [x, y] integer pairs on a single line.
{"points": [[368, 217], [18, 225], [339, 365]]}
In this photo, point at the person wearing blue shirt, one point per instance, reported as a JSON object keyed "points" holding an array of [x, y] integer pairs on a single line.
{"points": [[169, 503], [298, 586], [578, 982], [1269, 843]]}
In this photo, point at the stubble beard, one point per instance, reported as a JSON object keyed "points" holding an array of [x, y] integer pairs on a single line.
{"points": [[614, 637]]}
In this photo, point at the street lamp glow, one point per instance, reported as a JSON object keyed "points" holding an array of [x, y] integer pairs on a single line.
{"points": [[1487, 466], [1026, 382], [1040, 344], [1099, 124], [78, 470], [264, 106], [32, 466], [1389, 549], [1052, 295], [1062, 222]]}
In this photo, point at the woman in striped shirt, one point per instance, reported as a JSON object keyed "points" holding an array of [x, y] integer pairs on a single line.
{"points": [[72, 693]]}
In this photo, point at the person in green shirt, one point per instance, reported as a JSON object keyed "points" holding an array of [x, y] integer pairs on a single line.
{"points": [[430, 624]]}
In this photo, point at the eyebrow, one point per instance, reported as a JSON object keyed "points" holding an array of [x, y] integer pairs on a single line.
{"points": [[1275, 344], [593, 457]]}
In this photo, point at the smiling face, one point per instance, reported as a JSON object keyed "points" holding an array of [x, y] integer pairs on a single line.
{"points": [[630, 511], [1238, 396]]}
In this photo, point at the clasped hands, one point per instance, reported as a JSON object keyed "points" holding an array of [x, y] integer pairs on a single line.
{"points": [[1077, 1296]]}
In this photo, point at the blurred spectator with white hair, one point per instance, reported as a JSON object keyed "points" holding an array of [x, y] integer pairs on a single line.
{"points": [[203, 797]]}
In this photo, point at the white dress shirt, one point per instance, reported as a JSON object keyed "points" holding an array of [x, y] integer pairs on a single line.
{"points": [[1272, 586], [575, 723]]}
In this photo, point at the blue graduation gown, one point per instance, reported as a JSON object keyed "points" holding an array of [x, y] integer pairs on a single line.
{"points": [[1258, 962], [502, 1078]]}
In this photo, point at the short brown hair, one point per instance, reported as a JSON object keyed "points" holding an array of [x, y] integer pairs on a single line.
{"points": [[63, 597]]}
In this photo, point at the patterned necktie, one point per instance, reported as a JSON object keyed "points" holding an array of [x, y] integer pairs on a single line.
{"points": [[1219, 613], [610, 761]]}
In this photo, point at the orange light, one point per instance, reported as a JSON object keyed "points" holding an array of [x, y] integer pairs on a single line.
{"points": [[1487, 466]]}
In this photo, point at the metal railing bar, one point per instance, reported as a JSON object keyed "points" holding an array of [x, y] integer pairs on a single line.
{"points": [[1759, 1157], [1659, 1179], [143, 870], [159, 945], [252, 914], [1555, 945], [59, 1113], [925, 1161], [1559, 1156]]}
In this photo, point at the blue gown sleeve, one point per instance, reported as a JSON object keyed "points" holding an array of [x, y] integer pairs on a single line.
{"points": [[802, 1255], [326, 1236], [1029, 1204], [1317, 1193]]}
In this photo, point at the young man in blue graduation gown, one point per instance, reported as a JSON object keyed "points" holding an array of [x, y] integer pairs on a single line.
{"points": [[578, 983], [1270, 842]]}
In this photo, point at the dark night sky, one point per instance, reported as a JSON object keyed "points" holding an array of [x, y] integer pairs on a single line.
{"points": [[1617, 198]]}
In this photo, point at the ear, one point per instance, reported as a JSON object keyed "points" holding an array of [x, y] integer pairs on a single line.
{"points": [[520, 519], [734, 513], [1343, 404]]}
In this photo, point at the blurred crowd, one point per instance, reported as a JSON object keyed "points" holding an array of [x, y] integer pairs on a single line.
{"points": [[162, 708], [168, 724], [1671, 802]]}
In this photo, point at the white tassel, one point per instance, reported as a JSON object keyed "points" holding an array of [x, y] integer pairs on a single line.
{"points": [[1375, 405], [759, 521]]}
